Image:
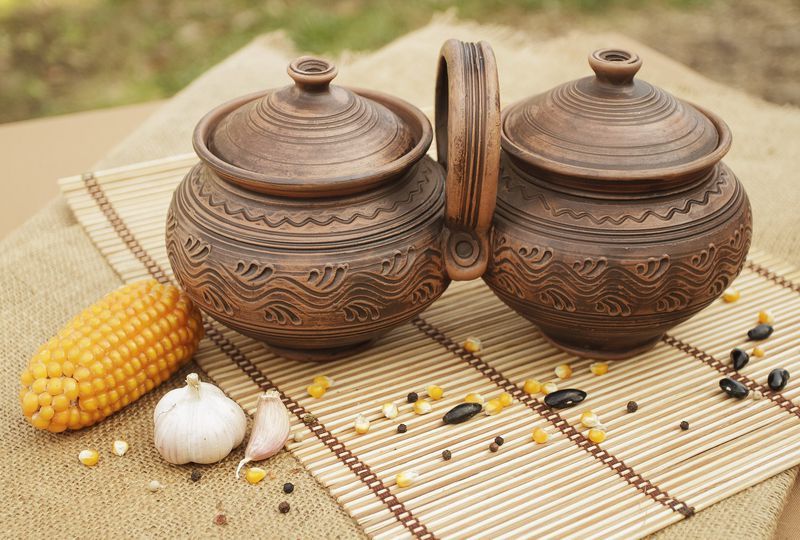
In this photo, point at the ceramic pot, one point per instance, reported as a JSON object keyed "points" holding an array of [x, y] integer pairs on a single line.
{"points": [[615, 219], [315, 222]]}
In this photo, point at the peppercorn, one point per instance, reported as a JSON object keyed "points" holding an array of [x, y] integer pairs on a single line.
{"points": [[499, 440], [288, 487], [221, 519], [412, 397], [402, 428], [309, 419], [685, 425], [196, 475], [283, 507], [494, 447], [446, 455], [633, 406]]}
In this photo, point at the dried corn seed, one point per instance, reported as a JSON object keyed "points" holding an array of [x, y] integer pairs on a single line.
{"points": [[777, 379], [730, 295], [422, 406], [758, 352], [435, 392], [765, 317], [412, 397], [473, 398], [492, 407], [632, 406], [549, 388], [284, 507], [473, 345], [390, 410], [461, 413], [506, 399], [757, 395], [499, 440], [155, 486], [598, 368], [446, 455], [597, 435], [589, 419], [324, 381], [406, 478], [254, 475], [539, 436], [298, 435], [119, 448], [762, 331], [739, 359], [684, 425], [563, 371], [89, 457], [494, 447], [361, 424], [532, 386], [316, 391]]}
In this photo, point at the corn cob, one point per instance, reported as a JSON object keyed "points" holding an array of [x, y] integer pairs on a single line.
{"points": [[117, 349]]}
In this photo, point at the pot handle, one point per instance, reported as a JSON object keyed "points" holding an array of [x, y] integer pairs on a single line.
{"points": [[468, 146]]}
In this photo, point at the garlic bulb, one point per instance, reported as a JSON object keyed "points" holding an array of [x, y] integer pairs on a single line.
{"points": [[270, 429], [197, 423]]}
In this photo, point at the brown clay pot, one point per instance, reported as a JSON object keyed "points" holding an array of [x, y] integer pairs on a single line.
{"points": [[315, 221], [615, 218]]}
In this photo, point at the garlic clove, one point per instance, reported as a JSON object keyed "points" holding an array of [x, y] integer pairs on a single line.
{"points": [[270, 429]]}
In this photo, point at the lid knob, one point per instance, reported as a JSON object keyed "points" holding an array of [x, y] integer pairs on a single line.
{"points": [[615, 66], [312, 73]]}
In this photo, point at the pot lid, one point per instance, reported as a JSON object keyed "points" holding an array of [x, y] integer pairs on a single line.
{"points": [[613, 126], [312, 137]]}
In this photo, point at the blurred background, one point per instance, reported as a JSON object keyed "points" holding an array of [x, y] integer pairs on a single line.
{"points": [[106, 64]]}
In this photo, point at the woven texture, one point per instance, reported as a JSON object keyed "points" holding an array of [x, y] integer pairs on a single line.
{"points": [[50, 270]]}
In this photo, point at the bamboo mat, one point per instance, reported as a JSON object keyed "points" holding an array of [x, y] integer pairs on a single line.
{"points": [[645, 476]]}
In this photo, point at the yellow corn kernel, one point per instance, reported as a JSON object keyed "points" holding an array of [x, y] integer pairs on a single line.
{"points": [[79, 366], [589, 419], [506, 399], [473, 345], [324, 381], [254, 475], [597, 435], [563, 371], [473, 397], [435, 392], [598, 368], [316, 391], [730, 295], [765, 317], [406, 478], [119, 448], [532, 386], [758, 352], [390, 410], [492, 407], [361, 424], [422, 406], [549, 388], [539, 436], [88, 457]]}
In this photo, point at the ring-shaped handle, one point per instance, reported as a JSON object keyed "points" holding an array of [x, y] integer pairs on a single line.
{"points": [[468, 146]]}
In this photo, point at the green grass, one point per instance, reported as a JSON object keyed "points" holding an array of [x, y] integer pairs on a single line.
{"points": [[69, 55]]}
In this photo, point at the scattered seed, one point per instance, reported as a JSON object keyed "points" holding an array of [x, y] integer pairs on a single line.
{"points": [[597, 435], [473, 397], [316, 391], [539, 436], [730, 295], [220, 519], [762, 331], [758, 352], [283, 507], [298, 435], [288, 487], [473, 345], [461, 413], [633, 406], [598, 368], [361, 424], [446, 455], [406, 478], [402, 428], [88, 457], [734, 388], [777, 379], [309, 419], [549, 388], [435, 392], [254, 475], [494, 447], [154, 486], [196, 476], [757, 395], [532, 386], [563, 371], [499, 440], [506, 399], [739, 358], [119, 448], [589, 419], [685, 425], [390, 410], [422, 406], [412, 397], [561, 399], [765, 317], [492, 407], [324, 381]]}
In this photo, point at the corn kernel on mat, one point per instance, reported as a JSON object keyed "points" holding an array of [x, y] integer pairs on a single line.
{"points": [[560, 489]]}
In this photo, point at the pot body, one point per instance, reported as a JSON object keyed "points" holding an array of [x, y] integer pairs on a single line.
{"points": [[313, 278], [604, 271]]}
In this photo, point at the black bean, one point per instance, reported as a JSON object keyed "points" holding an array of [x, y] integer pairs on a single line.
{"points": [[734, 388], [402, 428], [462, 412], [762, 331], [412, 397], [288, 487], [446, 455], [739, 359], [561, 399], [499, 440], [494, 447], [283, 507], [684, 425], [777, 379], [633, 406]]}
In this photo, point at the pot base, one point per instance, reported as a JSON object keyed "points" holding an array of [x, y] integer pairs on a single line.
{"points": [[625, 350], [319, 355]]}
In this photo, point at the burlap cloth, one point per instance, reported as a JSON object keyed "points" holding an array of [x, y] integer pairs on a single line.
{"points": [[50, 270]]}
